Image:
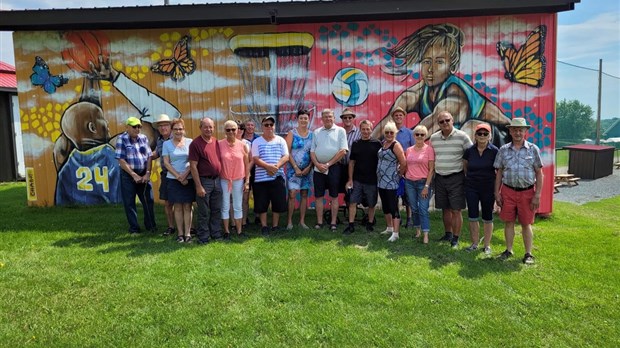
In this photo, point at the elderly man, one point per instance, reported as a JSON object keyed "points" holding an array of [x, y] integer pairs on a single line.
{"points": [[406, 140], [329, 146], [362, 173], [270, 154], [134, 157], [163, 126], [353, 134], [449, 145], [205, 166], [249, 133], [518, 186]]}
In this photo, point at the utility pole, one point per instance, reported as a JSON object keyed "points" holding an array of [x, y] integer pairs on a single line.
{"points": [[598, 112], [166, 2]]}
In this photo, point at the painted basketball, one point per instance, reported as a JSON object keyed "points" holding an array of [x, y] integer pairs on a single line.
{"points": [[350, 87], [85, 48]]}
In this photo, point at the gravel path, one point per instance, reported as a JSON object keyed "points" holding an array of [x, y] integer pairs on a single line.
{"points": [[590, 190]]}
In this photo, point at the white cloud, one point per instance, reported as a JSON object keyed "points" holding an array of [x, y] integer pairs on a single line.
{"points": [[36, 41], [35, 145], [200, 81]]}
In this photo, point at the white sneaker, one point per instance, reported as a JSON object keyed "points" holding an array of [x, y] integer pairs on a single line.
{"points": [[487, 251], [304, 227], [393, 237], [387, 231], [289, 227]]}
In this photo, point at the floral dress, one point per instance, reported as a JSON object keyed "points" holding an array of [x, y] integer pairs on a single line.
{"points": [[300, 152]]}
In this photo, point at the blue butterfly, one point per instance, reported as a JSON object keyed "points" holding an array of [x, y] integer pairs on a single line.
{"points": [[42, 77]]}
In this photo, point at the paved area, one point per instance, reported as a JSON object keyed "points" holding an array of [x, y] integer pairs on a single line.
{"points": [[589, 190]]}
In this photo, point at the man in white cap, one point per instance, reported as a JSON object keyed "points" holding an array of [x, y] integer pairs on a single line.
{"points": [[518, 186], [163, 123], [134, 157]]}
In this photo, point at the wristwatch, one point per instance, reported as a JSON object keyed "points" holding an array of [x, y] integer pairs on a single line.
{"points": [[327, 164]]}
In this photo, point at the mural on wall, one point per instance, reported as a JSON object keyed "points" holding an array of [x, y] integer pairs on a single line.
{"points": [[85, 84]]}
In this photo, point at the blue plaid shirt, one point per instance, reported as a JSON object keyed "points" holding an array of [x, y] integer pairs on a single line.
{"points": [[136, 154], [519, 165]]}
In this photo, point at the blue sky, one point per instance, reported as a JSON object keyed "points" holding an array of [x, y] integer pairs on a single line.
{"points": [[585, 35]]}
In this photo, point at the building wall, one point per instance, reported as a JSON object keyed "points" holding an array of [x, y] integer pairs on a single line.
{"points": [[506, 69], [7, 140]]}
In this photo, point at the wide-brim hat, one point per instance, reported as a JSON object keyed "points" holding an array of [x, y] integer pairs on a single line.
{"points": [[348, 112], [518, 122], [485, 126], [163, 118], [266, 118], [133, 121], [398, 109]]}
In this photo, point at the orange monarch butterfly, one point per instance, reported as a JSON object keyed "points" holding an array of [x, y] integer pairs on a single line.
{"points": [[179, 65], [527, 64]]}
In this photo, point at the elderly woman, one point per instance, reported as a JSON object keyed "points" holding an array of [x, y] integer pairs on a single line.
{"points": [[479, 185], [181, 192], [299, 167], [420, 168], [235, 176], [392, 165]]}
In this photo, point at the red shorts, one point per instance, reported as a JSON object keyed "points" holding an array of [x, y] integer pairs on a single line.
{"points": [[517, 204]]}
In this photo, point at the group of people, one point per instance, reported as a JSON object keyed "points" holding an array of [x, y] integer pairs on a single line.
{"points": [[405, 163]]}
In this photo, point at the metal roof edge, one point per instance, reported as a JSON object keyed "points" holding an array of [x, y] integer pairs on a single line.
{"points": [[169, 16]]}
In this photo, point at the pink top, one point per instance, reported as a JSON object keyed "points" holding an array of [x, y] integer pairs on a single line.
{"points": [[233, 167], [417, 162]]}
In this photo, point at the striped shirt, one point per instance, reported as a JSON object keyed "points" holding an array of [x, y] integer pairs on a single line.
{"points": [[449, 151], [519, 166], [352, 136], [135, 153], [270, 152]]}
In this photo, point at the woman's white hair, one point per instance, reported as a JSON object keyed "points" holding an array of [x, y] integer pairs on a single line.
{"points": [[390, 126], [230, 123]]}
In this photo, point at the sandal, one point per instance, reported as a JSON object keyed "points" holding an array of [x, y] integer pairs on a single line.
{"points": [[169, 231], [180, 239], [188, 239], [333, 227], [318, 226]]}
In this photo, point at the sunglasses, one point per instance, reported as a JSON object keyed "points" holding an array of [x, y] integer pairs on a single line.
{"points": [[230, 130], [389, 132], [268, 125], [136, 126], [177, 129], [443, 121], [482, 134], [420, 134], [346, 117]]}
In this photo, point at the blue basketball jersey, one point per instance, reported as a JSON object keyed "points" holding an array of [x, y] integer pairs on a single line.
{"points": [[89, 177]]}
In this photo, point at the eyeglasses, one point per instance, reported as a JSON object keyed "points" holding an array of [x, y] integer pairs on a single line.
{"points": [[420, 134], [346, 117], [388, 132], [444, 121], [482, 134], [268, 125], [177, 129], [136, 126], [229, 130]]}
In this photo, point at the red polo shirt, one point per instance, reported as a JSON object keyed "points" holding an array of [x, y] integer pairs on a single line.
{"points": [[207, 155]]}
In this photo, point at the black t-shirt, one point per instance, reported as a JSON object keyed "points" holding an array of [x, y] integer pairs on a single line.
{"points": [[364, 153]]}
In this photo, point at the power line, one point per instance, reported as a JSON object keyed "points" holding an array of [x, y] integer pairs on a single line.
{"points": [[585, 68]]}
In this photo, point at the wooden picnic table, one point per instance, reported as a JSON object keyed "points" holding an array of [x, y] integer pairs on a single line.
{"points": [[566, 179]]}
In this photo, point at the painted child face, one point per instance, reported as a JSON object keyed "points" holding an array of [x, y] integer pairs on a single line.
{"points": [[435, 65]]}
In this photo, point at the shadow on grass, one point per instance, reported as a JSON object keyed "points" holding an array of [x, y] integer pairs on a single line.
{"points": [[104, 228]]}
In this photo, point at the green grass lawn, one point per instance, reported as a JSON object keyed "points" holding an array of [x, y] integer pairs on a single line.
{"points": [[74, 277]]}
